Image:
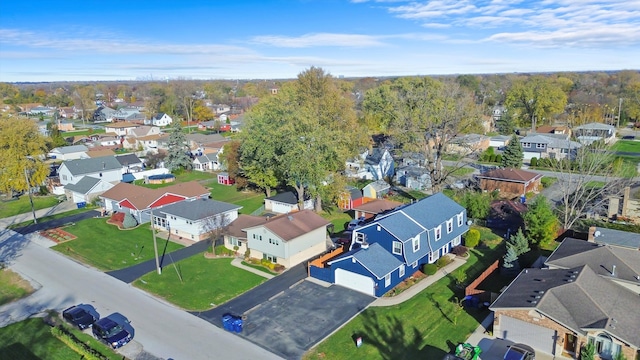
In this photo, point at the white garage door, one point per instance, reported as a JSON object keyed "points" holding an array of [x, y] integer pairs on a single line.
{"points": [[518, 331], [355, 281], [281, 208]]}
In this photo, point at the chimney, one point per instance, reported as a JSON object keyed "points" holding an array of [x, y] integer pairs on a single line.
{"points": [[591, 236]]}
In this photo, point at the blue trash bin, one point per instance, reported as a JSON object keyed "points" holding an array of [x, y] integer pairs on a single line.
{"points": [[237, 325], [227, 322]]}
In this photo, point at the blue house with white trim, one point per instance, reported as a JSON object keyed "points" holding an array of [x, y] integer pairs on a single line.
{"points": [[394, 246]]}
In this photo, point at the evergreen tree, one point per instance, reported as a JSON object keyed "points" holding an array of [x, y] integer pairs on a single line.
{"points": [[519, 243], [178, 157], [510, 258], [513, 154], [541, 223]]}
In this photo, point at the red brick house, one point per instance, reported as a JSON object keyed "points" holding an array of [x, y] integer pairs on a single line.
{"points": [[511, 182]]}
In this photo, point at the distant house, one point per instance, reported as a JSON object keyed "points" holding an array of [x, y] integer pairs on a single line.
{"points": [[224, 179], [376, 189], [195, 219], [510, 182], [288, 239], [68, 152], [413, 177], [552, 129], [130, 163], [349, 198], [160, 119], [103, 114], [99, 152], [468, 144], [614, 237], [120, 128], [41, 110], [374, 207], [129, 114], [372, 164], [549, 146], [588, 133], [86, 190], [499, 141], [205, 162], [286, 202], [105, 168]]}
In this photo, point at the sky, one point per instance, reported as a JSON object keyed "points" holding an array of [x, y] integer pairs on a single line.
{"points": [[113, 40]]}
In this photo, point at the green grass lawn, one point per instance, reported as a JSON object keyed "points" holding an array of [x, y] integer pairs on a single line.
{"points": [[626, 146], [23, 205], [32, 339], [12, 287], [107, 248], [419, 328], [249, 200], [462, 171], [83, 132], [338, 218], [204, 282]]}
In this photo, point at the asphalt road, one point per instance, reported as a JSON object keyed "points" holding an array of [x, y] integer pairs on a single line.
{"points": [[57, 222], [162, 329]]}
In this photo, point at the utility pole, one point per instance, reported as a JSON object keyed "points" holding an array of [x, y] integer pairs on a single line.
{"points": [[619, 109], [33, 209], [155, 244]]}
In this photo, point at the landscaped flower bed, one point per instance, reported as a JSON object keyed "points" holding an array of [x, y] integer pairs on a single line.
{"points": [[58, 235]]}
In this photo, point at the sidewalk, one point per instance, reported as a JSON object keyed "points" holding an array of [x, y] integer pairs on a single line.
{"points": [[28, 216], [415, 289]]}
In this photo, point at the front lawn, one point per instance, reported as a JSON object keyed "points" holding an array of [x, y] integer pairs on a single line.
{"points": [[197, 283], [249, 200], [31, 339], [12, 286], [419, 328], [23, 205], [626, 146], [107, 248]]}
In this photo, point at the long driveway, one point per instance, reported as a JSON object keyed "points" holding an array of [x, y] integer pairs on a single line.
{"points": [[162, 329]]}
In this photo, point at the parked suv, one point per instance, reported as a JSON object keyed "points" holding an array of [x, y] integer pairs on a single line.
{"points": [[79, 317], [111, 332], [520, 352]]}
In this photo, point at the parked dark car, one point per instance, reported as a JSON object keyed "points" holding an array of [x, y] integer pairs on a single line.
{"points": [[111, 333], [355, 223], [79, 317], [520, 352]]}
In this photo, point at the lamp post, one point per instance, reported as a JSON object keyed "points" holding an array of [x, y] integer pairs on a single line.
{"points": [[33, 209]]}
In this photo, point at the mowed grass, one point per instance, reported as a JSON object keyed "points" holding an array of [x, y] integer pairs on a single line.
{"points": [[32, 339], [196, 283], [626, 146], [249, 200], [419, 328], [23, 205], [107, 248], [12, 286]]}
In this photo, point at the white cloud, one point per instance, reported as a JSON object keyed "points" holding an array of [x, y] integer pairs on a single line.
{"points": [[319, 39]]}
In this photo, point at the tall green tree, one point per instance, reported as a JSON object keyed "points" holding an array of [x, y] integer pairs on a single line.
{"points": [[541, 223], [177, 156], [513, 155], [519, 242], [423, 115], [535, 100], [21, 149]]}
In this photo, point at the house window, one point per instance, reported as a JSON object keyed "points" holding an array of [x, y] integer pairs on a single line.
{"points": [[414, 265], [360, 238], [387, 280], [438, 232], [191, 237], [526, 145], [64, 177], [176, 231], [540, 146], [433, 256], [605, 347], [457, 240], [254, 236], [449, 226], [416, 243], [460, 219], [401, 271], [271, 258], [260, 237], [564, 151], [397, 248]]}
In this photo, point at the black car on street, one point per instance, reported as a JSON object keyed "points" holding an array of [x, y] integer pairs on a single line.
{"points": [[111, 332], [79, 317]]}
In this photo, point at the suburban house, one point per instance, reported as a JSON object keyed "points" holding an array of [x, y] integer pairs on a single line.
{"points": [[413, 159], [128, 114], [349, 198], [105, 168], [195, 219], [374, 207], [376, 190], [553, 129], [614, 237], [372, 164], [139, 201], [499, 141], [149, 143], [130, 163], [395, 245], [235, 235], [99, 152], [510, 182], [86, 190], [286, 202], [121, 128], [68, 152], [468, 144], [160, 119], [103, 114], [288, 239], [560, 309], [413, 177], [552, 146], [588, 133]]}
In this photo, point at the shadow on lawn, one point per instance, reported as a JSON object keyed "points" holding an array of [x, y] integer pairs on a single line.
{"points": [[394, 340]]}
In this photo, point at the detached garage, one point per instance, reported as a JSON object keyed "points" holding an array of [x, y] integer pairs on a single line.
{"points": [[355, 281], [518, 331]]}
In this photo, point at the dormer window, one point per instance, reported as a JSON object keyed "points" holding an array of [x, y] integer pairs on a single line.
{"points": [[416, 243], [438, 232], [397, 248], [460, 219], [449, 226]]}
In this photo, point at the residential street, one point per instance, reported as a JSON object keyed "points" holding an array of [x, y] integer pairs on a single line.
{"points": [[162, 329]]}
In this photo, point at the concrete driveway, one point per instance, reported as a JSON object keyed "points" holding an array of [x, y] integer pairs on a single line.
{"points": [[494, 349], [291, 323]]}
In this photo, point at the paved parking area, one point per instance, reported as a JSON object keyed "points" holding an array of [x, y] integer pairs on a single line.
{"points": [[291, 323], [494, 349]]}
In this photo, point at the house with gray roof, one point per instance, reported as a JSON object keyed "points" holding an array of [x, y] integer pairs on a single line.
{"points": [[552, 146], [68, 152], [130, 163], [557, 311], [372, 164], [106, 168], [614, 237], [396, 244], [195, 219], [86, 190], [588, 133]]}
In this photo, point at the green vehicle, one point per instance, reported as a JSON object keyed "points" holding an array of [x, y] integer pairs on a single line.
{"points": [[465, 352]]}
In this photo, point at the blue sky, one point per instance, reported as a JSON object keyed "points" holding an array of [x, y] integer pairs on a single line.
{"points": [[266, 39]]}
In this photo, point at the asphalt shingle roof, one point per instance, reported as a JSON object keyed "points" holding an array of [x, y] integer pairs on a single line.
{"points": [[92, 165], [377, 260], [70, 149], [83, 185], [291, 226], [198, 209]]}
